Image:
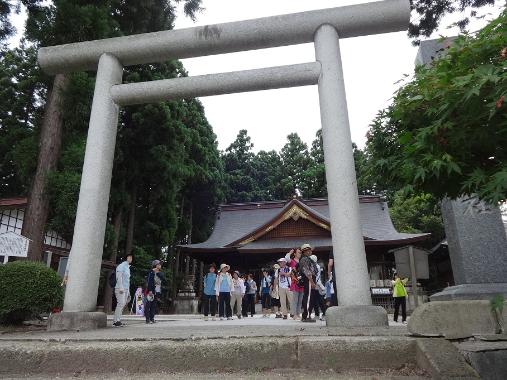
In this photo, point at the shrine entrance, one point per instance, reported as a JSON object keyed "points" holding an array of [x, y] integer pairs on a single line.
{"points": [[324, 28]]}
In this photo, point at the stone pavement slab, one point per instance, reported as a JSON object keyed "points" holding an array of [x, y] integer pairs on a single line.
{"points": [[184, 327]]}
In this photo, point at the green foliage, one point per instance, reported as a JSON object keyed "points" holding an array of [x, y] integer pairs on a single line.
{"points": [[23, 84], [296, 161], [239, 170], [430, 13], [28, 289], [417, 214], [446, 131], [497, 303]]}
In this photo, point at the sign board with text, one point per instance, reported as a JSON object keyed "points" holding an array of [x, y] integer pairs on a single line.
{"points": [[13, 245]]}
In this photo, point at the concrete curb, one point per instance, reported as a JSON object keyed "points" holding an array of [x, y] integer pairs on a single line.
{"points": [[54, 358]]}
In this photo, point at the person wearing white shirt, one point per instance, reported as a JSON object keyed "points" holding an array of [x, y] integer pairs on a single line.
{"points": [[237, 293], [122, 289], [283, 279]]}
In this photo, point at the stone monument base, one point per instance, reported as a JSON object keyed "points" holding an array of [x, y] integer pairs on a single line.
{"points": [[186, 305], [454, 319], [77, 320], [483, 291], [356, 316]]}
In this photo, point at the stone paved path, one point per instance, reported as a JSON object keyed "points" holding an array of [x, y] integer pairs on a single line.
{"points": [[194, 327]]}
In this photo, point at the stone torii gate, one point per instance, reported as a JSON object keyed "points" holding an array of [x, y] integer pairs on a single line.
{"points": [[108, 56]]}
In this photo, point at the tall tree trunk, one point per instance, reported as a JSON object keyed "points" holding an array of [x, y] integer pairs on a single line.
{"points": [[108, 292], [50, 142], [190, 218], [130, 224]]}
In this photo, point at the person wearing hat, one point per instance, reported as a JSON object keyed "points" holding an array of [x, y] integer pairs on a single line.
{"points": [[122, 289], [223, 290], [237, 293], [282, 279], [309, 272], [153, 289]]}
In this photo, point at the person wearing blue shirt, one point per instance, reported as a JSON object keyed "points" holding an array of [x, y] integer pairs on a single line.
{"points": [[122, 289], [209, 297], [223, 288]]}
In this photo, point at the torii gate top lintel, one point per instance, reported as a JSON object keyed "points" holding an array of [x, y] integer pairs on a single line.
{"points": [[290, 29]]}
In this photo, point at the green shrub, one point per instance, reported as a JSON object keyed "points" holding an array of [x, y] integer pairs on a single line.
{"points": [[28, 289]]}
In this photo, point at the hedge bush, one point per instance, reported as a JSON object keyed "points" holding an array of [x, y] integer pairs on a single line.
{"points": [[28, 289]]}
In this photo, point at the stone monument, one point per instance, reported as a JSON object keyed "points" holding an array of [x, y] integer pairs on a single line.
{"points": [[186, 301], [477, 248]]}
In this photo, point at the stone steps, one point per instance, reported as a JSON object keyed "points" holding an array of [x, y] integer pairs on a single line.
{"points": [[386, 354]]}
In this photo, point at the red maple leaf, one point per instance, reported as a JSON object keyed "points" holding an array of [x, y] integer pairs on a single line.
{"points": [[500, 101]]}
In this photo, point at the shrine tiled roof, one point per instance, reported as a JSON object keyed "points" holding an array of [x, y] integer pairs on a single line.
{"points": [[236, 225]]}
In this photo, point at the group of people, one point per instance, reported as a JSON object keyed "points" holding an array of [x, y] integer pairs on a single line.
{"points": [[151, 294], [232, 292], [291, 288]]}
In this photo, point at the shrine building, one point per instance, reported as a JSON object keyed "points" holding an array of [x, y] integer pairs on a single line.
{"points": [[251, 236]]}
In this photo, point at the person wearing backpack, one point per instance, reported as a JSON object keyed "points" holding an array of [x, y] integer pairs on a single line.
{"points": [[122, 289], [309, 271], [209, 297], [293, 258]]}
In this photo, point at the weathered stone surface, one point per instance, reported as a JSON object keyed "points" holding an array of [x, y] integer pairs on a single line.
{"points": [[453, 319], [77, 321], [186, 305], [282, 30], [85, 259], [489, 359], [204, 355], [443, 360], [471, 292], [356, 316], [341, 353], [477, 242]]}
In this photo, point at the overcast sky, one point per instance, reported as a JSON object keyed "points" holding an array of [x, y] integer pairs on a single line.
{"points": [[372, 66]]}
